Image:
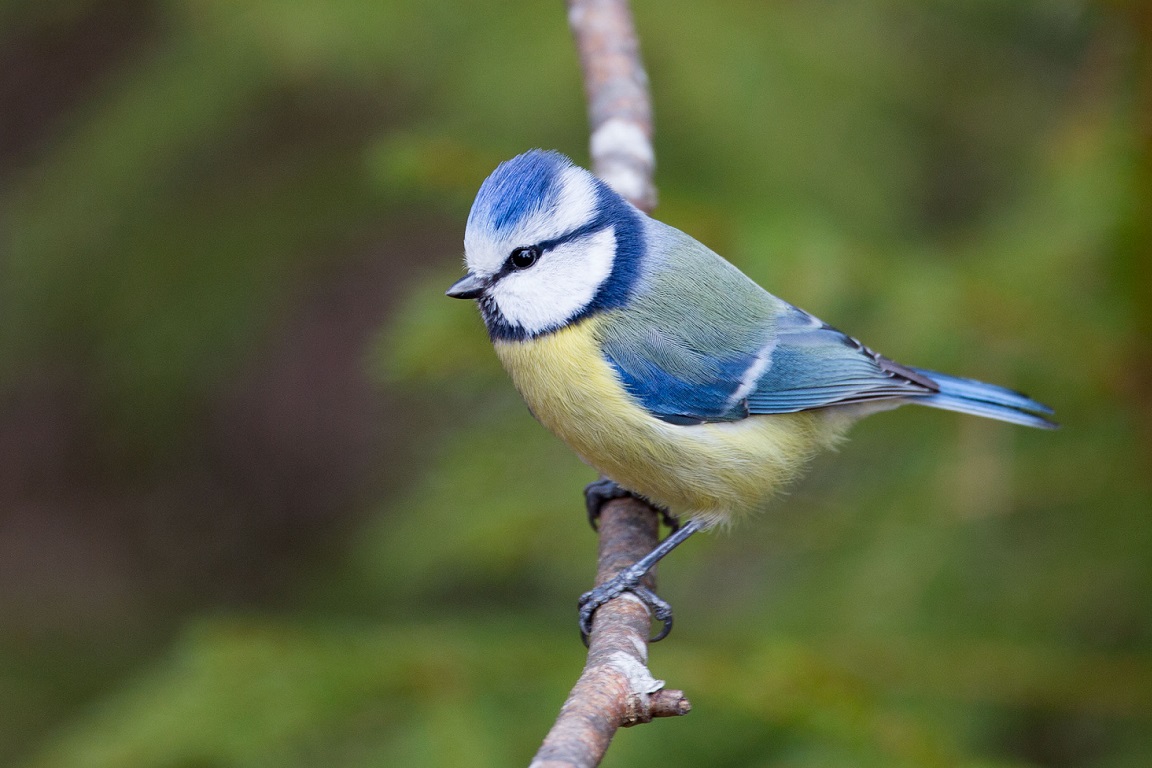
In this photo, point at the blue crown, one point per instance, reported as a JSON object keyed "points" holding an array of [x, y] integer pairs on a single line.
{"points": [[518, 188]]}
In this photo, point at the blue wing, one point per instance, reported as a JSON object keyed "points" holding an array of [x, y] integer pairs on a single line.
{"points": [[679, 383], [813, 365], [792, 363], [738, 351], [804, 364]]}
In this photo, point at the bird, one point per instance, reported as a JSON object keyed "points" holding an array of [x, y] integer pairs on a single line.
{"points": [[663, 366]]}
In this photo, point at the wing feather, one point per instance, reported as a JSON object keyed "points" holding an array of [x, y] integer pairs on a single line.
{"points": [[737, 350]]}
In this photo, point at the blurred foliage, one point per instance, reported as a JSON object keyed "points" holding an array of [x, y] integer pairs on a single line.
{"points": [[965, 186]]}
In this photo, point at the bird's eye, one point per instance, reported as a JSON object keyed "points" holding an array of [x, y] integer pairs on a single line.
{"points": [[522, 258]]}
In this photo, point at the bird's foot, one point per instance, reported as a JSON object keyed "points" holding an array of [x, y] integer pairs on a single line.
{"points": [[597, 494], [627, 580], [600, 492]]}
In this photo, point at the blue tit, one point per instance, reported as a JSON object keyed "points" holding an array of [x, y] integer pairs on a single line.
{"points": [[662, 365]]}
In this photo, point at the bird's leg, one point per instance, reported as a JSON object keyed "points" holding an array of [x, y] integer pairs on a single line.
{"points": [[628, 580]]}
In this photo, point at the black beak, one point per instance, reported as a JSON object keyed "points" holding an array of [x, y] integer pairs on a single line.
{"points": [[468, 287]]}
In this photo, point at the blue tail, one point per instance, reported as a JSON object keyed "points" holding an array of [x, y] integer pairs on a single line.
{"points": [[980, 399]]}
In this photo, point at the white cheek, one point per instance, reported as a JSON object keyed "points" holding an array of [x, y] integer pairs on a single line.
{"points": [[562, 284]]}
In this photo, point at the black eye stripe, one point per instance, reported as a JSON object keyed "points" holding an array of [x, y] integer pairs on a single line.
{"points": [[588, 229], [542, 247]]}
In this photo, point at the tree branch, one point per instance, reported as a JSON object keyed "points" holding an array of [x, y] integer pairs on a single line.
{"points": [[619, 109], [615, 689]]}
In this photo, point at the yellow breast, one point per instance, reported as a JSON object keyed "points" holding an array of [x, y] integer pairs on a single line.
{"points": [[705, 471]]}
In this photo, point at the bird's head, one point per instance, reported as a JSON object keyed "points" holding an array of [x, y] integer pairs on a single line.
{"points": [[547, 244]]}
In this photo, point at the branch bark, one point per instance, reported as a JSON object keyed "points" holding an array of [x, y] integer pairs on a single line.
{"points": [[615, 689], [619, 108]]}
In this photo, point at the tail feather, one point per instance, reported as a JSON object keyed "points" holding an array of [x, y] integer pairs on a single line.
{"points": [[981, 399]]}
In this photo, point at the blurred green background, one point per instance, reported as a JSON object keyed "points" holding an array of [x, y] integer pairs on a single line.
{"points": [[267, 500]]}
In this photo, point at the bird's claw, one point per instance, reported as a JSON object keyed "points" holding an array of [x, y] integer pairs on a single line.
{"points": [[597, 494], [590, 601], [600, 492]]}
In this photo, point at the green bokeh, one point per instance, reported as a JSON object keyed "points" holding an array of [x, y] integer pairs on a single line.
{"points": [[965, 186]]}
